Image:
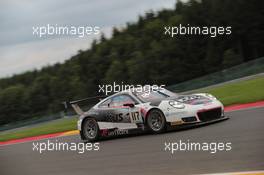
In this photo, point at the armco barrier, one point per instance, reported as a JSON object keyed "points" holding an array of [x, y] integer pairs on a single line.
{"points": [[236, 72]]}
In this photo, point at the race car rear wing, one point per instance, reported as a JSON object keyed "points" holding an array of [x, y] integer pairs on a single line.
{"points": [[76, 107]]}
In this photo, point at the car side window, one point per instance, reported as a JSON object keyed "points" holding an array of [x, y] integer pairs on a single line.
{"points": [[120, 100], [105, 104]]}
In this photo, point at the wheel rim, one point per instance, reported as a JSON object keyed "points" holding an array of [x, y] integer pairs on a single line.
{"points": [[91, 129], [156, 121]]}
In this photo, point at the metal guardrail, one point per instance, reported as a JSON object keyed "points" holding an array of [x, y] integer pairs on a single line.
{"points": [[243, 70]]}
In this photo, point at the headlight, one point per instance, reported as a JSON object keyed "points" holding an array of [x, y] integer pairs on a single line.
{"points": [[210, 96], [176, 104]]}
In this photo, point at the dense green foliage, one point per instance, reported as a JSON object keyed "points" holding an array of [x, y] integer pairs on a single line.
{"points": [[141, 53]]}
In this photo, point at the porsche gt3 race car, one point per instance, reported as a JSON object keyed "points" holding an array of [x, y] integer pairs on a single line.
{"points": [[132, 111]]}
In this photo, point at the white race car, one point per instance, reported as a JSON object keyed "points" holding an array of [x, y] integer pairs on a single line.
{"points": [[156, 110]]}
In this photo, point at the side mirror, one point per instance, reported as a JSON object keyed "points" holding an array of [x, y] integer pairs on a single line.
{"points": [[131, 105]]}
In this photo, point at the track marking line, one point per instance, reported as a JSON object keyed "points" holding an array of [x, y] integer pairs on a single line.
{"points": [[237, 107], [69, 133], [240, 173]]}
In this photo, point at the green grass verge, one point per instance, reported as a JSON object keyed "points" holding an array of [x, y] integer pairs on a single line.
{"points": [[239, 92], [234, 93], [46, 128]]}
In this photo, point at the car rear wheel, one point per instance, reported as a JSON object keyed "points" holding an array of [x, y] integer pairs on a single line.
{"points": [[156, 121], [90, 129]]}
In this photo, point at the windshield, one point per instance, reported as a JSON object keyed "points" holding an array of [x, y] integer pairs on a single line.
{"points": [[149, 96]]}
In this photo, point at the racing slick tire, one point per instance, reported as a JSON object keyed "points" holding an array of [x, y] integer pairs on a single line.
{"points": [[90, 130], [156, 121]]}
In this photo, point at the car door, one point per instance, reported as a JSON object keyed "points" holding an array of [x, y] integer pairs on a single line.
{"points": [[127, 108], [115, 110]]}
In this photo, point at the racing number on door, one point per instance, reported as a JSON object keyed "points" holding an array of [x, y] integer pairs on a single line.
{"points": [[135, 117]]}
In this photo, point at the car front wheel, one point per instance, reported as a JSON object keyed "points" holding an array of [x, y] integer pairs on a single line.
{"points": [[156, 121]]}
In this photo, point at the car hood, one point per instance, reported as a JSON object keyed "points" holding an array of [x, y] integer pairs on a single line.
{"points": [[186, 99], [192, 99]]}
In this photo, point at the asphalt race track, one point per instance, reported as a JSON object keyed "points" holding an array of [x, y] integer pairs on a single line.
{"points": [[145, 154]]}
